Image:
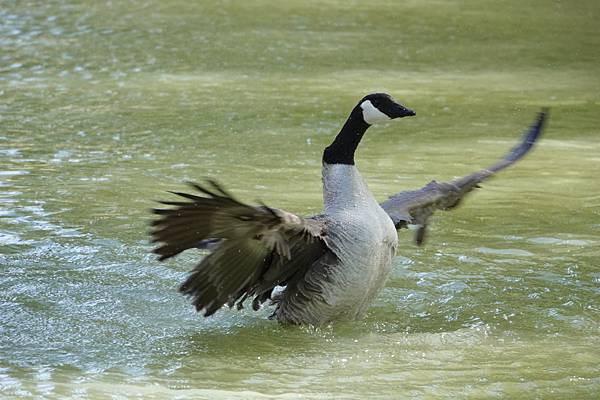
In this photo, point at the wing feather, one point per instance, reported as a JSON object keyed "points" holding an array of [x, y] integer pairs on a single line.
{"points": [[416, 206], [254, 248]]}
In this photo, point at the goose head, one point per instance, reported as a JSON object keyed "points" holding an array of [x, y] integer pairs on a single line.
{"points": [[381, 107], [372, 109]]}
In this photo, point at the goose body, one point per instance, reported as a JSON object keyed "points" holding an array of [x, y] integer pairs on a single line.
{"points": [[363, 239], [332, 265]]}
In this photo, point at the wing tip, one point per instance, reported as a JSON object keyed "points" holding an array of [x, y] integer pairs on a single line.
{"points": [[530, 137], [542, 118]]}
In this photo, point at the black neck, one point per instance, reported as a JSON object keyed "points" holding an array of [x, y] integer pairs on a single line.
{"points": [[341, 150]]}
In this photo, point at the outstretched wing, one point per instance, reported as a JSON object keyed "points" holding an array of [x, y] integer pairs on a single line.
{"points": [[255, 248], [416, 206]]}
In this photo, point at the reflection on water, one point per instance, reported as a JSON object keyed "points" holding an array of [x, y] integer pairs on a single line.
{"points": [[105, 106]]}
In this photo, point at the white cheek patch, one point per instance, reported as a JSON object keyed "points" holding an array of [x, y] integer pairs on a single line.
{"points": [[371, 114]]}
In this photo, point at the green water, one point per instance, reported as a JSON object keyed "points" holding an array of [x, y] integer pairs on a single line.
{"points": [[103, 106]]}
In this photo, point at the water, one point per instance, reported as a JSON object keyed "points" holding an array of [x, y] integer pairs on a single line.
{"points": [[105, 106]]}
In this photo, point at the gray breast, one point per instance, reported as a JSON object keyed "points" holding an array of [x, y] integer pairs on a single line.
{"points": [[362, 240]]}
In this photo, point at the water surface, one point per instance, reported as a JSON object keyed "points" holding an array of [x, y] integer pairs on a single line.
{"points": [[103, 107]]}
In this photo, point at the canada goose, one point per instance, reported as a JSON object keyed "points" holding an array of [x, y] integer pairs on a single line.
{"points": [[332, 265]]}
